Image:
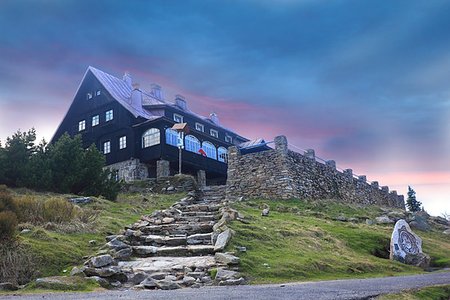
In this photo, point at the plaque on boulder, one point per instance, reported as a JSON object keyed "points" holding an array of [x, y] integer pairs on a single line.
{"points": [[406, 246]]}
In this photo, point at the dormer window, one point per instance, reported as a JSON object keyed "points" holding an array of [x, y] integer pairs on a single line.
{"points": [[214, 133], [82, 125], [178, 118], [228, 139], [199, 127], [109, 115], [89, 96], [97, 93]]}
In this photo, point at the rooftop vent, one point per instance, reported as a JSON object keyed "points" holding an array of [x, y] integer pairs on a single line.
{"points": [[156, 91], [180, 101], [127, 78], [214, 118]]}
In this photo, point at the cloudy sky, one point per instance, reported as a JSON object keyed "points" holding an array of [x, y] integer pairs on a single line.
{"points": [[366, 83]]}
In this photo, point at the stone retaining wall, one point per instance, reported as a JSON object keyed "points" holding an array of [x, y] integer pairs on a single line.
{"points": [[283, 174]]}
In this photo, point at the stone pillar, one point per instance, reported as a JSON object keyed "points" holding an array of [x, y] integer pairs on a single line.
{"points": [[331, 164], [281, 144], [375, 184], [348, 173], [310, 154], [363, 178], [201, 178], [401, 201], [385, 189], [162, 168]]}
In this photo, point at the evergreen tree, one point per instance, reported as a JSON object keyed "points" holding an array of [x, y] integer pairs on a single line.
{"points": [[64, 166], [15, 157], [412, 203]]}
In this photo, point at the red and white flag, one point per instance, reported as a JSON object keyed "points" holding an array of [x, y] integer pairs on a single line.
{"points": [[202, 152]]}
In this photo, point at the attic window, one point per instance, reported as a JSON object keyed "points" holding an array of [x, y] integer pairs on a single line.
{"points": [[97, 93], [214, 133], [82, 125], [89, 96], [228, 139], [178, 118], [199, 127]]}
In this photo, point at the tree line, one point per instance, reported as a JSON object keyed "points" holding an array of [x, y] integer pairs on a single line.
{"points": [[62, 167]]}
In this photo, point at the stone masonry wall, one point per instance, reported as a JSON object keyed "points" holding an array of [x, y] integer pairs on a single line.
{"points": [[130, 170], [283, 174]]}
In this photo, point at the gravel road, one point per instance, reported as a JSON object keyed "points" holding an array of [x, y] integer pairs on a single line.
{"points": [[323, 290]]}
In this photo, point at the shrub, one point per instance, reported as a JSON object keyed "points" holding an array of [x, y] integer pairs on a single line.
{"points": [[16, 263], [58, 210], [29, 209], [6, 200], [8, 224]]}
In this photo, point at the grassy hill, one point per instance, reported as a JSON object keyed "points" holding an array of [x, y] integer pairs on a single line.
{"points": [[299, 241], [303, 240]]}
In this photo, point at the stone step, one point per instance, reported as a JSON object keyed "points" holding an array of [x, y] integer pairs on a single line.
{"points": [[178, 229], [190, 250], [167, 264], [201, 207], [200, 239], [199, 213], [160, 240], [199, 218]]}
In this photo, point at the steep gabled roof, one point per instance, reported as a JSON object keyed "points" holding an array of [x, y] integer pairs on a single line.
{"points": [[121, 92]]}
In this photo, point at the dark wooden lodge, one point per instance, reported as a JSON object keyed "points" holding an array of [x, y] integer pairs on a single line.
{"points": [[133, 129]]}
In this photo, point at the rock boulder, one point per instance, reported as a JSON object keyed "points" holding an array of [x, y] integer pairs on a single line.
{"points": [[406, 246]]}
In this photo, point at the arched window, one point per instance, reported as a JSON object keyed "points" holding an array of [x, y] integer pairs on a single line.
{"points": [[210, 150], [191, 143], [222, 154], [171, 137], [150, 138]]}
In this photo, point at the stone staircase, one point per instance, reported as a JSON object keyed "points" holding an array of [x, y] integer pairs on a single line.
{"points": [[172, 248]]}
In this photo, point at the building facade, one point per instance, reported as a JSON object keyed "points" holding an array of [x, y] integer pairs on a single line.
{"points": [[132, 127]]}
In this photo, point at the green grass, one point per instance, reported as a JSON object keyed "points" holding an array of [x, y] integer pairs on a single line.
{"points": [[301, 241], [441, 292], [56, 252]]}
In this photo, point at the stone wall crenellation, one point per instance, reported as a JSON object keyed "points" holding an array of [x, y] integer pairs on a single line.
{"points": [[283, 174]]}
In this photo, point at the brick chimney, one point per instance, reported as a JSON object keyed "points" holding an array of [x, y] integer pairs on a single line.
{"points": [[214, 118], [127, 79], [156, 91], [180, 101]]}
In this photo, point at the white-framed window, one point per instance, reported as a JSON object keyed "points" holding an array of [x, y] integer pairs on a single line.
{"points": [[228, 139], [122, 142], [97, 93], [150, 137], [95, 120], [222, 154], [192, 144], [82, 125], [106, 147], [214, 133], [199, 127], [171, 137], [89, 96], [209, 149], [178, 118], [109, 115]]}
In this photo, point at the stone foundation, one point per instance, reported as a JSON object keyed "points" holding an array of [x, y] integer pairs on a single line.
{"points": [[130, 170], [283, 174]]}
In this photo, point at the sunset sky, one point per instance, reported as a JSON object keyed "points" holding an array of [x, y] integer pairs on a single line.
{"points": [[366, 83]]}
